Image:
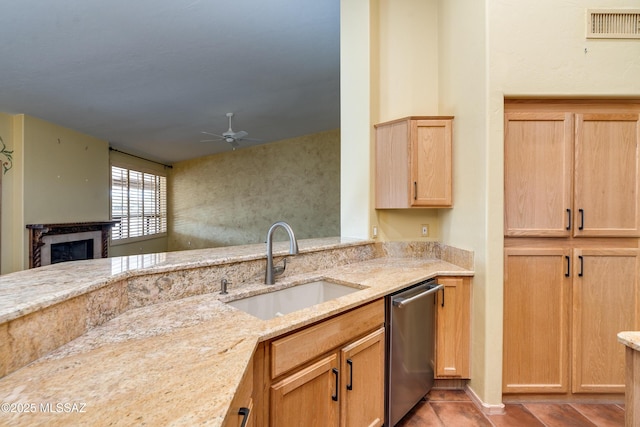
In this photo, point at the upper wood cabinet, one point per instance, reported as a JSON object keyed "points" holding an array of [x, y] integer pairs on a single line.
{"points": [[413, 163], [572, 174], [538, 166]]}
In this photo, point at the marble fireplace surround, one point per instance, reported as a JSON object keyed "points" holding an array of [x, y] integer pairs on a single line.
{"points": [[41, 236]]}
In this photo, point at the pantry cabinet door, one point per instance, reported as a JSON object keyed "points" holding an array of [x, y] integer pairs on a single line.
{"points": [[537, 286], [606, 175], [538, 173], [605, 302]]}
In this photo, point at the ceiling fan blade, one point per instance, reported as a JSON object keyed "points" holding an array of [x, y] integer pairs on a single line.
{"points": [[211, 140], [240, 135], [212, 134]]}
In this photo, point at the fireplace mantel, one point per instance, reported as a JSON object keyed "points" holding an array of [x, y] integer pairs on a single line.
{"points": [[38, 231]]}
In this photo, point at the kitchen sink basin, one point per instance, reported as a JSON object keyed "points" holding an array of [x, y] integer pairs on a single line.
{"points": [[277, 303]]}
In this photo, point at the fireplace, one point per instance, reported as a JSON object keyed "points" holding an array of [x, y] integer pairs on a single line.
{"points": [[72, 251], [54, 243]]}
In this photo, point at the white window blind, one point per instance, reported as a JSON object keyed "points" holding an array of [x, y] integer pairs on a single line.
{"points": [[139, 202]]}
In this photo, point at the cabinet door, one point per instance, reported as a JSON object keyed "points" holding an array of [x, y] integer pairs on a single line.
{"points": [[431, 162], [392, 165], [537, 286], [537, 174], [605, 302], [242, 404], [309, 397], [453, 328], [606, 175], [362, 367]]}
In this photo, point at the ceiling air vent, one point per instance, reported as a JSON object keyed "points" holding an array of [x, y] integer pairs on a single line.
{"points": [[613, 23]]}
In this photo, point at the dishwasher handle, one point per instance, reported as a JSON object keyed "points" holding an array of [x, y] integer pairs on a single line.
{"points": [[401, 302]]}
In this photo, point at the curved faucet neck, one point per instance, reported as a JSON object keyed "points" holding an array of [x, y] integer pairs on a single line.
{"points": [[293, 248]]}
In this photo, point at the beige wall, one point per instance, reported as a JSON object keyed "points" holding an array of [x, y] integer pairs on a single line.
{"points": [[58, 175], [462, 93], [233, 198], [66, 174], [12, 244], [539, 49], [484, 51]]}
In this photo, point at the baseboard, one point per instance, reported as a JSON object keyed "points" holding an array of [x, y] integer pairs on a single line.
{"points": [[486, 408]]}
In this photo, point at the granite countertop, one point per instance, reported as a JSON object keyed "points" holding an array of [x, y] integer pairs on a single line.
{"points": [[630, 338], [177, 362]]}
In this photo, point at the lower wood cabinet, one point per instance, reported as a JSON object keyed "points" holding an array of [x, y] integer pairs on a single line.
{"points": [[362, 364], [241, 413], [345, 388], [453, 328], [309, 397], [563, 309], [341, 385]]}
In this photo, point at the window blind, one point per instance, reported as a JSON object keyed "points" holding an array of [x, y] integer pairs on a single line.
{"points": [[139, 202]]}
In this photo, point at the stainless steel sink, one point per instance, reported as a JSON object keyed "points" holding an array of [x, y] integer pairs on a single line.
{"points": [[277, 303]]}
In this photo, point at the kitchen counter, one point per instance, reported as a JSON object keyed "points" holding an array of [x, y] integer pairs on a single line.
{"points": [[178, 362], [631, 339]]}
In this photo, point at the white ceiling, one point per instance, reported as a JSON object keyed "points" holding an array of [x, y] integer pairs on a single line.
{"points": [[150, 75]]}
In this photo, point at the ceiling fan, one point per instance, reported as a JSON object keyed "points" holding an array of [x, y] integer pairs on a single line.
{"points": [[230, 136]]}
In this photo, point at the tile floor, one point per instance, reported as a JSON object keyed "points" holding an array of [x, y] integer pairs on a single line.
{"points": [[454, 408]]}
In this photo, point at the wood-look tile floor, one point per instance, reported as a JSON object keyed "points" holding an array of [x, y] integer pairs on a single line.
{"points": [[454, 408]]}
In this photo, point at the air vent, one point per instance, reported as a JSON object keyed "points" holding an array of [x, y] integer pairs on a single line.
{"points": [[613, 23]]}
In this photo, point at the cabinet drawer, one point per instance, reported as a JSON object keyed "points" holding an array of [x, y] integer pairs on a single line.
{"points": [[309, 343]]}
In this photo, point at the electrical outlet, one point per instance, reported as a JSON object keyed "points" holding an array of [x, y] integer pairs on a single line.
{"points": [[375, 231], [424, 229]]}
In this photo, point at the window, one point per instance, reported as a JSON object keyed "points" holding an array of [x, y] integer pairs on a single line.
{"points": [[139, 202]]}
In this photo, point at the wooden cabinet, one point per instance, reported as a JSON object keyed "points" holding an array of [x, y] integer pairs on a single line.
{"points": [[538, 150], [309, 397], [571, 226], [362, 364], [414, 163], [548, 290], [605, 302], [453, 324], [572, 174], [331, 373], [606, 201], [536, 323], [241, 412]]}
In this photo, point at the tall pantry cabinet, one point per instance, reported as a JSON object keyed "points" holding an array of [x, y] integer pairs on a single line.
{"points": [[572, 223]]}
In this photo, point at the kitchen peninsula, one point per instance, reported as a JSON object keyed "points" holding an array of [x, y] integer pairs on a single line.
{"points": [[631, 339], [150, 339]]}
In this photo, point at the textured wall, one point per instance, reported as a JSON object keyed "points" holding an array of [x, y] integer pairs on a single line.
{"points": [[233, 198]]}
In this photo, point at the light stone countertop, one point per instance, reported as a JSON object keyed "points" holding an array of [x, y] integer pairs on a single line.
{"points": [[27, 291], [177, 362], [630, 338]]}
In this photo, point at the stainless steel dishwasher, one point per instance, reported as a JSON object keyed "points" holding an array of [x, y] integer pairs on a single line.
{"points": [[410, 343]]}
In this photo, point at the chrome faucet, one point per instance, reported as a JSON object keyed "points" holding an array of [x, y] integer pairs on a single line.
{"points": [[269, 278]]}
